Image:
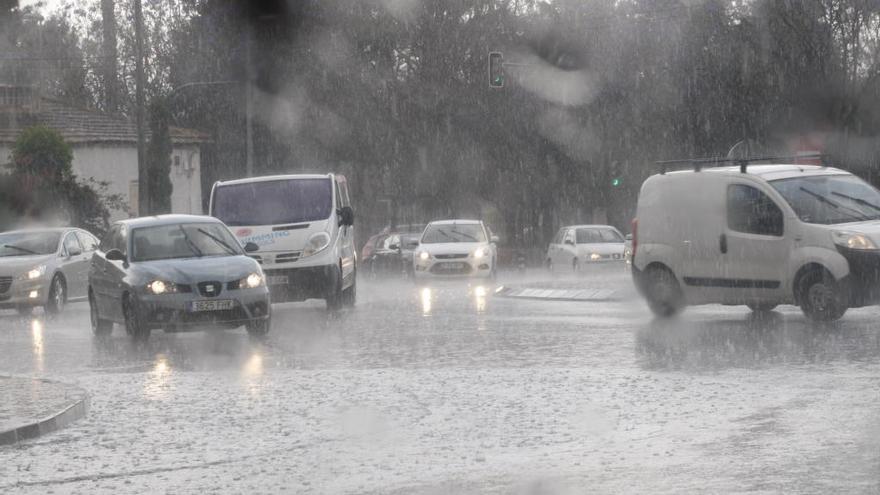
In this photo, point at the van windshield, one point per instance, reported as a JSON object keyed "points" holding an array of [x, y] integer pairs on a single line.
{"points": [[274, 202], [830, 199]]}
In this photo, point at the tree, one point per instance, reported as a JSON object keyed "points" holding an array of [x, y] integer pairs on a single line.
{"points": [[159, 158]]}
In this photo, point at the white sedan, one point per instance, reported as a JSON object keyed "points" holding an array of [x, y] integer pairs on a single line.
{"points": [[455, 248], [577, 246]]}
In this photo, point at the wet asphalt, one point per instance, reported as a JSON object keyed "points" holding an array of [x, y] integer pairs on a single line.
{"points": [[453, 390]]}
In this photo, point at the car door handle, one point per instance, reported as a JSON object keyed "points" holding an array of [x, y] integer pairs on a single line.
{"points": [[722, 243]]}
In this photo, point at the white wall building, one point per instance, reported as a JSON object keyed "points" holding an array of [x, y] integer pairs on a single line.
{"points": [[104, 147]]}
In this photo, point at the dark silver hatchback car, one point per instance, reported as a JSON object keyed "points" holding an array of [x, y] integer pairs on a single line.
{"points": [[176, 273]]}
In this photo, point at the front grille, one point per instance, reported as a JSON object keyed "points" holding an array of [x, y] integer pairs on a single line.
{"points": [[446, 269], [5, 282], [287, 257], [210, 289], [450, 256]]}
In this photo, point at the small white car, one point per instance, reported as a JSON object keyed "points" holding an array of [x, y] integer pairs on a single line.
{"points": [[760, 235], [455, 248], [576, 246]]}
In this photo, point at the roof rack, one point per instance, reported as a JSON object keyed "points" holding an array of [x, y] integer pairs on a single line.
{"points": [[699, 163]]}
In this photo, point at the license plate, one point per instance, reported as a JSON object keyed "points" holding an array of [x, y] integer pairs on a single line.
{"points": [[277, 280], [211, 305], [452, 266]]}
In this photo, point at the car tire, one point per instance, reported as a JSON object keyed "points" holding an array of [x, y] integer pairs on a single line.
{"points": [[663, 292], [99, 327], [57, 296], [258, 328], [334, 299], [821, 297], [133, 325], [349, 295], [762, 307], [25, 310]]}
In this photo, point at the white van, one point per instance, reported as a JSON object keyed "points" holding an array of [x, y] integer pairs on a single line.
{"points": [[303, 225], [760, 235]]}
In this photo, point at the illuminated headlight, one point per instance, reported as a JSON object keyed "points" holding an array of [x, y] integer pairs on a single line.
{"points": [[158, 287], [317, 243], [479, 253], [37, 272], [595, 257], [853, 240], [424, 256], [252, 281]]}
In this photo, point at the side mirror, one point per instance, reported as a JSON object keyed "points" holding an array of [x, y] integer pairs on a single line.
{"points": [[412, 244], [569, 242], [494, 239], [629, 237], [394, 247], [251, 247], [346, 216], [76, 251], [115, 255]]}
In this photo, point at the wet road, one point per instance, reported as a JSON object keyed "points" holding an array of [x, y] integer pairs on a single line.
{"points": [[456, 391]]}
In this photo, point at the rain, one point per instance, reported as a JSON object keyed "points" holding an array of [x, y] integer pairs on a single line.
{"points": [[439, 246]]}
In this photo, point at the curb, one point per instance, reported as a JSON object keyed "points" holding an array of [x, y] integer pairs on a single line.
{"points": [[55, 421], [558, 294]]}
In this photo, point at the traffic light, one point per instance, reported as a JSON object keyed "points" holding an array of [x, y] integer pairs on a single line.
{"points": [[496, 70], [615, 175]]}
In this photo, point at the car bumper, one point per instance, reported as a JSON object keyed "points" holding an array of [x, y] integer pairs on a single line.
{"points": [[863, 282], [456, 268], [25, 293], [299, 284], [174, 311]]}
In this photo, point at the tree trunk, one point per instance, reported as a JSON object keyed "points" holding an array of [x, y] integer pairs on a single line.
{"points": [[110, 62]]}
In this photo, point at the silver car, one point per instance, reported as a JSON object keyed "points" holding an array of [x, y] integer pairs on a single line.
{"points": [[176, 273], [44, 267]]}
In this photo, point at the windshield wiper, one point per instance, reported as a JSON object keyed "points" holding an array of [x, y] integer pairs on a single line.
{"points": [[857, 200], [192, 245], [19, 248], [466, 236], [837, 206], [219, 241]]}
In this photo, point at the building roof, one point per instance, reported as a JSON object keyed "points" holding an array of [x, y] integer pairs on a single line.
{"points": [[80, 125]]}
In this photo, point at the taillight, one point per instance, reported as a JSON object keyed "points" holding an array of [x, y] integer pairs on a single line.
{"points": [[634, 225]]}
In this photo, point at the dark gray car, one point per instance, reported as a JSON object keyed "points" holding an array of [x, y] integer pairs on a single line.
{"points": [[176, 273]]}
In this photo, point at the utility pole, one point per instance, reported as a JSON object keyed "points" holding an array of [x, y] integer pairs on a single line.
{"points": [[249, 103], [143, 172], [111, 87]]}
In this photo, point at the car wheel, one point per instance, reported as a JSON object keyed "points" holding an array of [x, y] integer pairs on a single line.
{"points": [[334, 298], [821, 297], [349, 295], [663, 292], [57, 296], [99, 326], [133, 325], [761, 307], [258, 328], [25, 310]]}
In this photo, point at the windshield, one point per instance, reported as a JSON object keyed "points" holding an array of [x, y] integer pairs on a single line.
{"points": [[468, 232], [597, 236], [188, 240], [28, 243], [274, 202], [830, 199]]}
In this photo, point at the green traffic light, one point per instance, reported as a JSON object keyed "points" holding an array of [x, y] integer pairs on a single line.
{"points": [[616, 182]]}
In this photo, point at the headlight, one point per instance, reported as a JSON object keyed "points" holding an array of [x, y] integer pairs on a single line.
{"points": [[37, 272], [252, 281], [317, 243], [595, 256], [158, 287], [853, 240], [424, 256], [479, 253]]}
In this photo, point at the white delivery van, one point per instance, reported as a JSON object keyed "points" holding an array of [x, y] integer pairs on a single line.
{"points": [[303, 225], [760, 235]]}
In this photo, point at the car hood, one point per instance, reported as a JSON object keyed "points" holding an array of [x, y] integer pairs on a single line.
{"points": [[452, 247], [14, 265], [194, 270]]}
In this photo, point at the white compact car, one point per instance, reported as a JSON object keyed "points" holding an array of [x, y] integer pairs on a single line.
{"points": [[455, 248], [304, 228], [760, 235], [574, 247]]}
